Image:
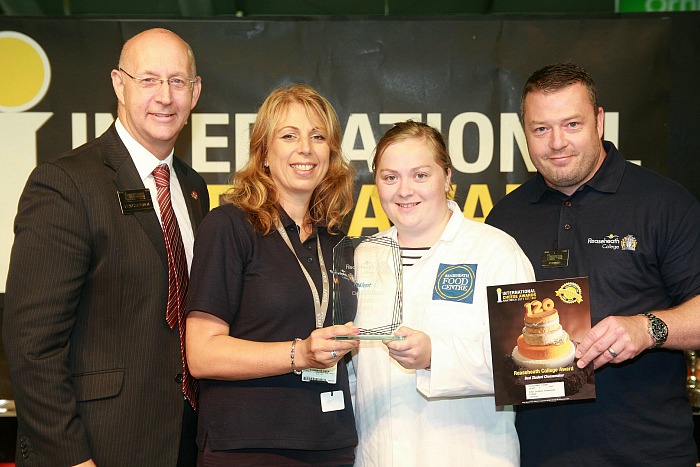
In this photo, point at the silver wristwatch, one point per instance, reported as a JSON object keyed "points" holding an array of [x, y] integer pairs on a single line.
{"points": [[657, 329]]}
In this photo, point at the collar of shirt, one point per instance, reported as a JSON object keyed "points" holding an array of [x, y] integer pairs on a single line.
{"points": [[450, 231], [145, 161], [606, 180], [454, 224], [288, 222]]}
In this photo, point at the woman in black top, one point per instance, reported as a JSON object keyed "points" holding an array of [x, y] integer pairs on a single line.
{"points": [[273, 384]]}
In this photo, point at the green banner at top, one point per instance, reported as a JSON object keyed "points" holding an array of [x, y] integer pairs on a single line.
{"points": [[627, 6]]}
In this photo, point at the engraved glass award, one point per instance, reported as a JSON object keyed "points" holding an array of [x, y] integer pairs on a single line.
{"points": [[367, 286]]}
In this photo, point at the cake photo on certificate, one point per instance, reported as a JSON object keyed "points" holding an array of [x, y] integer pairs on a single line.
{"points": [[535, 330], [543, 342]]}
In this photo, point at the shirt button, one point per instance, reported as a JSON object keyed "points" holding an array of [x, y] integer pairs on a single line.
{"points": [[310, 260], [567, 226], [568, 204], [178, 378]]}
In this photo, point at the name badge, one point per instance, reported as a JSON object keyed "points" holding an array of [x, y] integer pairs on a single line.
{"points": [[555, 258], [332, 401], [132, 201], [320, 375]]}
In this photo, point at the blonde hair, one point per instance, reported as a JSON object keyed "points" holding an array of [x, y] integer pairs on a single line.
{"points": [[254, 189]]}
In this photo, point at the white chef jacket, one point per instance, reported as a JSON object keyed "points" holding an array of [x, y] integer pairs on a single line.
{"points": [[444, 416]]}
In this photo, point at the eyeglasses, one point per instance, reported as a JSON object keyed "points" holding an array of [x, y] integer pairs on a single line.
{"points": [[176, 84]]}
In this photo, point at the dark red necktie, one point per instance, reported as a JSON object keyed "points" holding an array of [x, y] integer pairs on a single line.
{"points": [[177, 274]]}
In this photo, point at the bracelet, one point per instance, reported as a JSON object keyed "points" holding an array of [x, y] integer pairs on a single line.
{"points": [[291, 355]]}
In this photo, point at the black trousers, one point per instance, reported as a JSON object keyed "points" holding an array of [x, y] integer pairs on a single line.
{"points": [[188, 446]]}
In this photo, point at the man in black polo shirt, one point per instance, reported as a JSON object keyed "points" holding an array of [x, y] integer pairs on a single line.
{"points": [[635, 234]]}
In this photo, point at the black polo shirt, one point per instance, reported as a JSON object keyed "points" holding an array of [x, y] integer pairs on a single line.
{"points": [[636, 235], [254, 283]]}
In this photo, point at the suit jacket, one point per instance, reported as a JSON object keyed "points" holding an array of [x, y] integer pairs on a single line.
{"points": [[95, 368]]}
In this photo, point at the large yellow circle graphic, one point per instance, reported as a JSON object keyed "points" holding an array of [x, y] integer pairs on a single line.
{"points": [[26, 72]]}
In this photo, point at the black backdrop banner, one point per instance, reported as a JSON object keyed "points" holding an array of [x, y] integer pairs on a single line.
{"points": [[461, 74]]}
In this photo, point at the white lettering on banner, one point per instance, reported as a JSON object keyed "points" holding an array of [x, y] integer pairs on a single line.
{"points": [[455, 140], [78, 122], [200, 143], [434, 120], [358, 138], [18, 158], [611, 132], [244, 123], [358, 125], [512, 130], [611, 129], [79, 131]]}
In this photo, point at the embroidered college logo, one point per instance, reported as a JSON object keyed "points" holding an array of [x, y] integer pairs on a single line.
{"points": [[455, 283], [629, 243], [570, 292], [614, 242]]}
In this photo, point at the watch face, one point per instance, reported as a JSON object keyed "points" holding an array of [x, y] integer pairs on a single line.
{"points": [[659, 328]]}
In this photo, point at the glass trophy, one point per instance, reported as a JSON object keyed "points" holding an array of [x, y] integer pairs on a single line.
{"points": [[367, 287]]}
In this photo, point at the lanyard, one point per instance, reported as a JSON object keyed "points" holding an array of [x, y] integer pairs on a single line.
{"points": [[320, 306]]}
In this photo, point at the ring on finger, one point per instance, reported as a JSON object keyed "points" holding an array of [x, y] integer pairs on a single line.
{"points": [[612, 352], [334, 354]]}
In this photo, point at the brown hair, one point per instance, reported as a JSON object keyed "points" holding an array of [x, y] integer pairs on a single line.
{"points": [[253, 188], [409, 129], [556, 77]]}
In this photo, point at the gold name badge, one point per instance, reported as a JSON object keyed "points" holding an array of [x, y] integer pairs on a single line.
{"points": [[135, 201], [555, 258]]}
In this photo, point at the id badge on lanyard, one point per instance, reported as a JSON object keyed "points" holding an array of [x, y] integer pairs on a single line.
{"points": [[328, 375]]}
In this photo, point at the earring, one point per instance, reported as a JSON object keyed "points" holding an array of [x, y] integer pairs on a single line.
{"points": [[265, 164]]}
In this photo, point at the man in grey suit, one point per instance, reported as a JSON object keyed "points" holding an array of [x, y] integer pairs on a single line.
{"points": [[96, 370]]}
